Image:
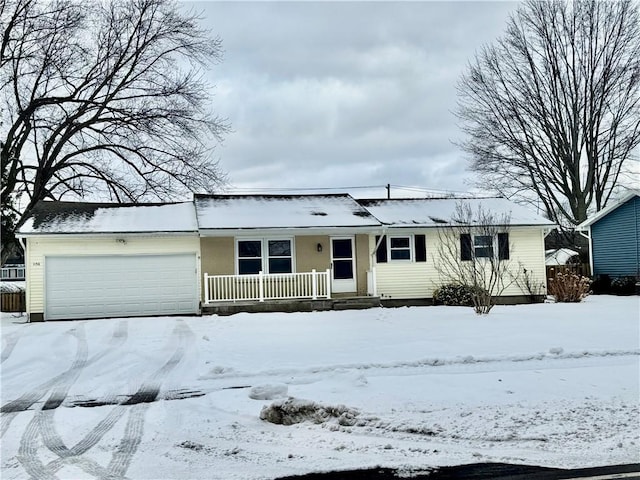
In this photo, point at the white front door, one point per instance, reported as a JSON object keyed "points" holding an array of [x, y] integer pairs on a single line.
{"points": [[343, 262]]}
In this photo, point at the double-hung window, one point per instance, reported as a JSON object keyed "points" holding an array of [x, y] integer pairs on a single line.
{"points": [[280, 260], [266, 255], [400, 248], [249, 256], [411, 248], [483, 246]]}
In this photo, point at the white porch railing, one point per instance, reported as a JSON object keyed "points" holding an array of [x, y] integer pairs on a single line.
{"points": [[262, 286], [12, 272]]}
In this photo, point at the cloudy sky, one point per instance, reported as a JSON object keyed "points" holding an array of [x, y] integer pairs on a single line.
{"points": [[342, 94]]}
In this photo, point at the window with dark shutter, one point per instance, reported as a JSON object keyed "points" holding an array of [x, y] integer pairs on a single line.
{"points": [[381, 252], [420, 245], [503, 246], [465, 247]]}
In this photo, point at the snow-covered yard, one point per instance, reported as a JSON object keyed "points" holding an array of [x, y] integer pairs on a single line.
{"points": [[548, 384]]}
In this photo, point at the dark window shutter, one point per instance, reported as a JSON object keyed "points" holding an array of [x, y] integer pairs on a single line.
{"points": [[465, 246], [420, 247], [503, 246], [381, 252]]}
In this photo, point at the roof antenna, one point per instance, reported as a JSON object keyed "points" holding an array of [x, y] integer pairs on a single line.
{"points": [[388, 191]]}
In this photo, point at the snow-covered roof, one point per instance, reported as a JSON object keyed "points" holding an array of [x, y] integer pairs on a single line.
{"points": [[225, 213], [434, 212], [560, 256], [75, 217], [235, 212], [607, 210]]}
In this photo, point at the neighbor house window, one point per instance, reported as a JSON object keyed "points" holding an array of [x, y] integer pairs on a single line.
{"points": [[400, 248], [266, 255]]}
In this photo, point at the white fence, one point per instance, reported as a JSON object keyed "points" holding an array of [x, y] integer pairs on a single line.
{"points": [[12, 272], [262, 286]]}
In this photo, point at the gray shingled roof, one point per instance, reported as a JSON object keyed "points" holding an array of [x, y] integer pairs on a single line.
{"points": [[50, 217]]}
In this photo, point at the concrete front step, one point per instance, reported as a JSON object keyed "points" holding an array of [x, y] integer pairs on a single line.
{"points": [[305, 305]]}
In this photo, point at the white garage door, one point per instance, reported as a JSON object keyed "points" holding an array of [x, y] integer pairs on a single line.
{"points": [[120, 285]]}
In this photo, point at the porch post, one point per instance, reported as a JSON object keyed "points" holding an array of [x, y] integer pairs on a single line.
{"points": [[328, 283], [207, 294], [314, 285], [261, 285], [374, 281]]}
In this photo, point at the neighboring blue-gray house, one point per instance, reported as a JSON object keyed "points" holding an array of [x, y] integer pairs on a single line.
{"points": [[614, 238]]}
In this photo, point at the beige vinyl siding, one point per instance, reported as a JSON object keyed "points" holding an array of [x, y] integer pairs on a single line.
{"points": [[218, 255], [404, 279], [38, 248], [307, 255]]}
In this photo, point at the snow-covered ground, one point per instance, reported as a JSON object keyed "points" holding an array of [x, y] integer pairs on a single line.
{"points": [[547, 384]]}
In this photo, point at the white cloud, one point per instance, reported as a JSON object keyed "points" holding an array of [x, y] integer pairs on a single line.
{"points": [[327, 94]]}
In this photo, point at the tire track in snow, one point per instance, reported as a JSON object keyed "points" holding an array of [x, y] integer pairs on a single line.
{"points": [[43, 425], [11, 409], [27, 452], [427, 362], [28, 399], [9, 341], [123, 456], [134, 429]]}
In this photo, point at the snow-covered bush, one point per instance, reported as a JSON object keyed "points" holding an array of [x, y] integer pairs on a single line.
{"points": [[453, 295], [569, 287]]}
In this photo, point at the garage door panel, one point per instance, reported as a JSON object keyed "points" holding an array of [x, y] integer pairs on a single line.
{"points": [[122, 285]]}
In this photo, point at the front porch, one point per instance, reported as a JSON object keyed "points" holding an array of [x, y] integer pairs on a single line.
{"points": [[259, 287], [281, 292]]}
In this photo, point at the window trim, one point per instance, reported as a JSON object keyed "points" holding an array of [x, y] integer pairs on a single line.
{"points": [[476, 247], [238, 258], [264, 245], [391, 249], [496, 243]]}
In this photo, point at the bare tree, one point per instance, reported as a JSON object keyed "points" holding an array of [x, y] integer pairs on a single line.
{"points": [[473, 251], [104, 99], [552, 109]]}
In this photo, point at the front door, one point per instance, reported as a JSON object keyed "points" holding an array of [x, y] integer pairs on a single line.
{"points": [[343, 265]]}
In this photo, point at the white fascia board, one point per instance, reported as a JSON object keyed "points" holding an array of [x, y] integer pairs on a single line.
{"points": [[607, 210]]}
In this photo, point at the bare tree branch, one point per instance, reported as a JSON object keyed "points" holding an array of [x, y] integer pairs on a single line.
{"points": [[105, 100], [552, 109]]}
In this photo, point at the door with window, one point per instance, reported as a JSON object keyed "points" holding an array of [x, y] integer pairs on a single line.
{"points": [[343, 278]]}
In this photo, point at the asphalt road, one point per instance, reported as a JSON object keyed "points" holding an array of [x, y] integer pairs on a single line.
{"points": [[484, 471]]}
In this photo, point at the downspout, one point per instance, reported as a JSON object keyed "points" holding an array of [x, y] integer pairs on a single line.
{"points": [[588, 237]]}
